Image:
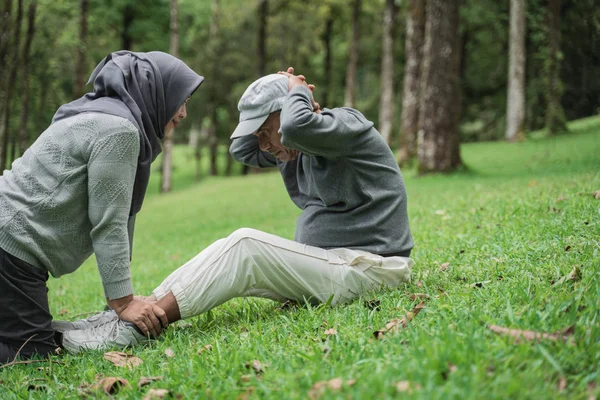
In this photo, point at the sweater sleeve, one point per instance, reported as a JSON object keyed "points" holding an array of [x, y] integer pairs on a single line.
{"points": [[245, 150], [111, 173], [332, 133]]}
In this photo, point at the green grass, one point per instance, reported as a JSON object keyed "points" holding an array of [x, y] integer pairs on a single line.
{"points": [[518, 220]]}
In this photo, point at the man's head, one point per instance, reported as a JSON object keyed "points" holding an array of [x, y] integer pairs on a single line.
{"points": [[259, 108]]}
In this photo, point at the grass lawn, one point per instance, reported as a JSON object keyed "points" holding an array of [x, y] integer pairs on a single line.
{"points": [[493, 245]]}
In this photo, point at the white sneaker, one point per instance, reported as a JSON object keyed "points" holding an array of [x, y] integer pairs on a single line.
{"points": [[113, 334], [90, 322]]}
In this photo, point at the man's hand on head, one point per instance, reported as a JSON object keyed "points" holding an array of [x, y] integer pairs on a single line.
{"points": [[300, 80]]}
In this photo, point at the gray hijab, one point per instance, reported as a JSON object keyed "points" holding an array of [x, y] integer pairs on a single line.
{"points": [[145, 88]]}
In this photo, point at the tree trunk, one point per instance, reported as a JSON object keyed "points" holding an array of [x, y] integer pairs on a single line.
{"points": [[326, 37], [555, 116], [261, 52], [350, 90], [438, 141], [167, 162], [128, 16], [9, 88], [515, 104], [81, 50], [213, 139], [386, 107], [26, 61], [415, 39]]}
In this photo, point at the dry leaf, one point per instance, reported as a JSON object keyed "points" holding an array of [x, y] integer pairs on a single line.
{"points": [[591, 389], [157, 394], [146, 380], [396, 324], [444, 266], [415, 296], [111, 385], [574, 275], [451, 369], [373, 304], [419, 284], [334, 384], [405, 386], [331, 331], [206, 347], [529, 336], [63, 311], [121, 359], [246, 395], [596, 194], [169, 352], [562, 384], [257, 366]]}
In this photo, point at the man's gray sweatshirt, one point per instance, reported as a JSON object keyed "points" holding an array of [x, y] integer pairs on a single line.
{"points": [[70, 195], [345, 179]]}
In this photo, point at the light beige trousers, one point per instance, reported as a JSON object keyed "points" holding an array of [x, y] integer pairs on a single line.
{"points": [[254, 263]]}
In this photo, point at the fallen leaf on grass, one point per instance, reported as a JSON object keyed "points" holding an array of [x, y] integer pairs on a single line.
{"points": [[596, 194], [206, 347], [562, 384], [109, 385], [419, 284], [334, 384], [444, 266], [405, 386], [479, 284], [574, 276], [246, 394], [63, 311], [121, 359], [169, 352], [331, 331], [157, 394], [146, 380], [396, 324], [451, 369], [529, 336], [373, 304], [415, 296], [591, 389], [257, 366]]}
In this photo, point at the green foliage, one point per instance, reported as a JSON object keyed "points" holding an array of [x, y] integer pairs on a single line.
{"points": [[295, 37], [518, 221]]}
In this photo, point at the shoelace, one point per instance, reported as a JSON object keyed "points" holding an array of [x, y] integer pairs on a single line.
{"points": [[109, 329], [101, 315]]}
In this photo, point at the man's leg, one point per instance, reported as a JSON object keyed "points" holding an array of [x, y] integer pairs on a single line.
{"points": [[24, 313], [254, 263]]}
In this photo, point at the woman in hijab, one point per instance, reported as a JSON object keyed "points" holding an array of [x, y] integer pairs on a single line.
{"points": [[76, 191]]}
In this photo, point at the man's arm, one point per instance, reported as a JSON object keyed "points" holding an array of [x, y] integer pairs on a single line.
{"points": [[245, 150], [330, 133]]}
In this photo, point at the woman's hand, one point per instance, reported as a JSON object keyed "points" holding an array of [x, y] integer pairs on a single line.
{"points": [[300, 80], [147, 316]]}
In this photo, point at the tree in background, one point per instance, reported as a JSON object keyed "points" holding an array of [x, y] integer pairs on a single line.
{"points": [[326, 37], [386, 108], [415, 40], [555, 116], [80, 69], [166, 181], [515, 107], [26, 86], [350, 91], [438, 141], [9, 86]]}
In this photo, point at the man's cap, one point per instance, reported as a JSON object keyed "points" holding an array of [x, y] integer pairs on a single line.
{"points": [[263, 96]]}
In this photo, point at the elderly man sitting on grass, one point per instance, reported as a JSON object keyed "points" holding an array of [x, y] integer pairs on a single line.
{"points": [[352, 236]]}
